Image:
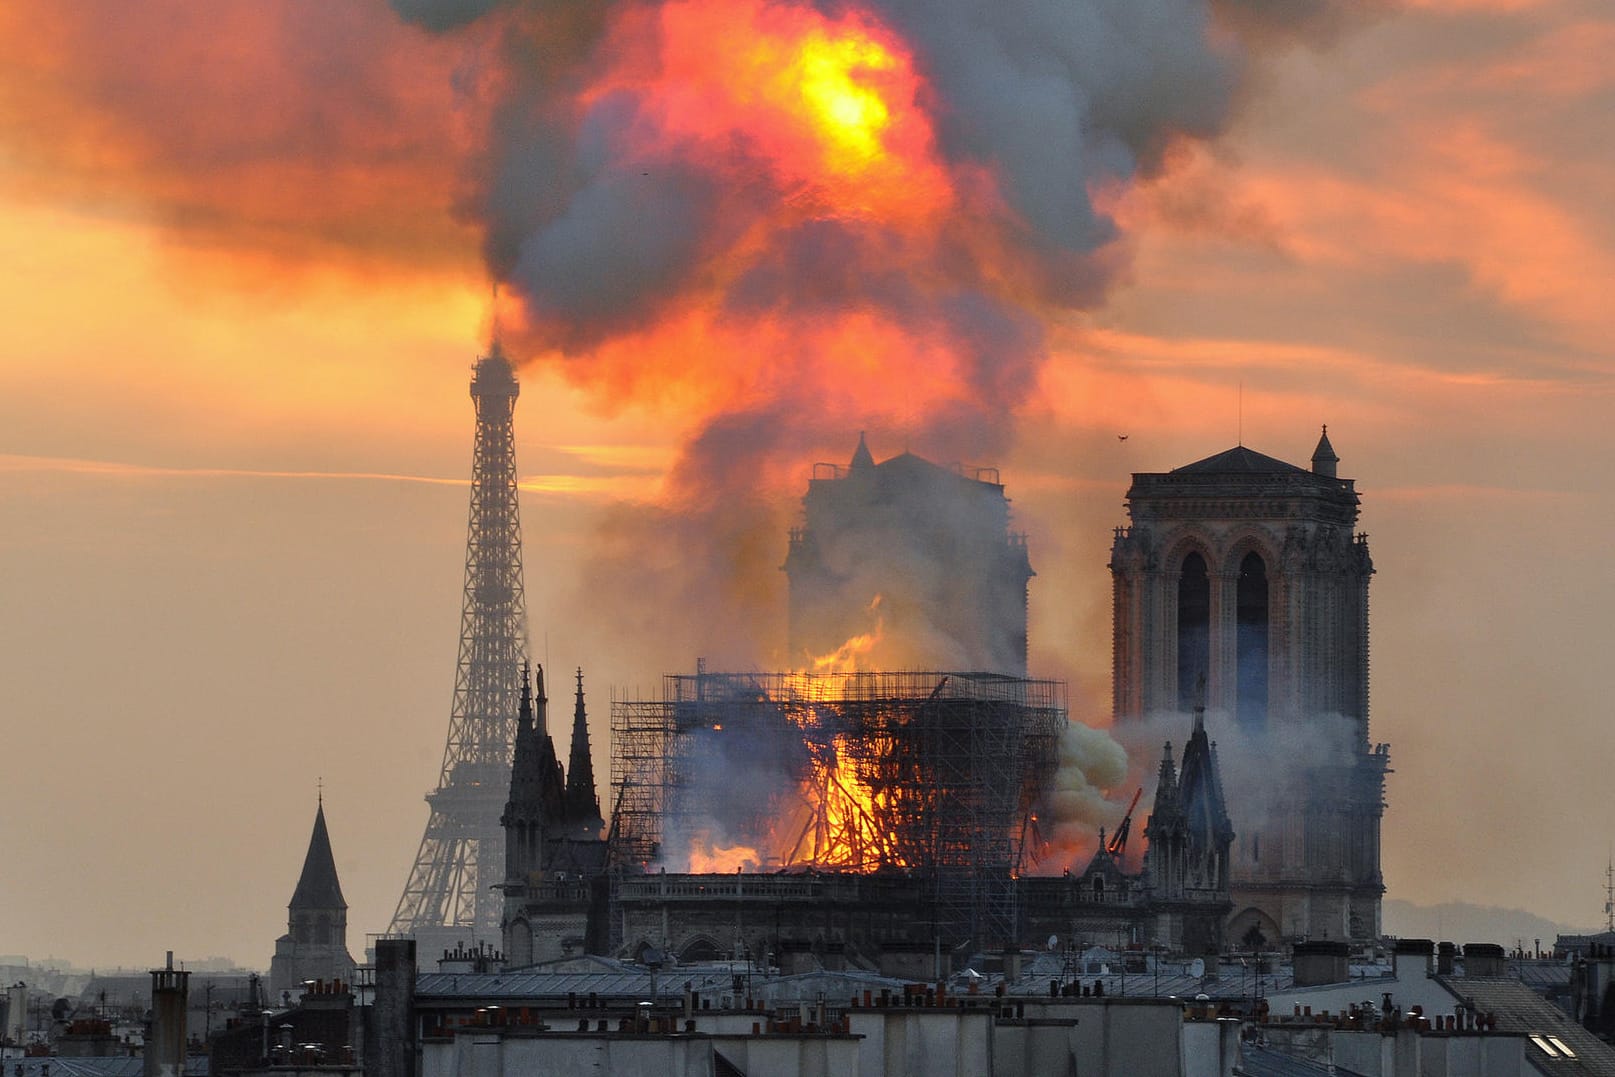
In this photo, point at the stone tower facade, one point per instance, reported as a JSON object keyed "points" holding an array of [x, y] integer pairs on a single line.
{"points": [[315, 946], [1190, 837], [917, 556], [555, 855], [1241, 586]]}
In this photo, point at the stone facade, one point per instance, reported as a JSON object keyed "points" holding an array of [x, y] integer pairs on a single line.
{"points": [[554, 888], [1240, 586], [922, 551]]}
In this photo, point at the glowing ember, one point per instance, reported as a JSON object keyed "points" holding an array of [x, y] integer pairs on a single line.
{"points": [[846, 830], [835, 820], [707, 859]]}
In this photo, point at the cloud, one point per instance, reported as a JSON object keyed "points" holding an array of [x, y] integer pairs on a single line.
{"points": [[294, 134]]}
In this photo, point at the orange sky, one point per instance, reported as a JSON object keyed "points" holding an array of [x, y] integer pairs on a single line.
{"points": [[242, 296]]}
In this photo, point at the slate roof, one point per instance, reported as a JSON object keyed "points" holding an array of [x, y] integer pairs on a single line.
{"points": [[604, 976], [123, 1066], [610, 978], [1239, 461], [1520, 1010], [1174, 979], [317, 887], [1264, 1061]]}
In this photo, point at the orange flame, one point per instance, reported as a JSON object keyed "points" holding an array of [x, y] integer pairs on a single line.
{"points": [[707, 858], [853, 655], [845, 829], [836, 820]]}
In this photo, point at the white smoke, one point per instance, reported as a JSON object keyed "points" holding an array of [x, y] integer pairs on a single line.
{"points": [[1090, 764]]}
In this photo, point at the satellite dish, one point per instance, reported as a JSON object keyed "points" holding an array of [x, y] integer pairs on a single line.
{"points": [[1197, 968], [1054, 940]]}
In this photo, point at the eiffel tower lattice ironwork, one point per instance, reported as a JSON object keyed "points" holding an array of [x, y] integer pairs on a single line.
{"points": [[449, 896]]}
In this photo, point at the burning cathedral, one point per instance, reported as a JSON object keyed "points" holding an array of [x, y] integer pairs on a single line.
{"points": [[861, 813], [890, 817]]}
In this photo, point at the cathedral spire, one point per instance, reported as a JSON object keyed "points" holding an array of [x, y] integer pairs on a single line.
{"points": [[541, 718], [1168, 778], [582, 805], [522, 766], [524, 713]]}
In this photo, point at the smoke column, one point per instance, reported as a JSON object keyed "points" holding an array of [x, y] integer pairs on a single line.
{"points": [[801, 219]]}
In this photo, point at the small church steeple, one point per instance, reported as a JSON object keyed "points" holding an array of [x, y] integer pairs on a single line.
{"points": [[317, 887], [1324, 460], [861, 457], [315, 946]]}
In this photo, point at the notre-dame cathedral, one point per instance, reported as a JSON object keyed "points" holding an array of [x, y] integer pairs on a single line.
{"points": [[1241, 586]]}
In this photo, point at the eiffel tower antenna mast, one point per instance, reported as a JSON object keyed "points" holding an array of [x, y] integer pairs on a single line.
{"points": [[449, 897]]}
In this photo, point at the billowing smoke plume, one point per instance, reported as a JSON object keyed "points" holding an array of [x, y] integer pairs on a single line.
{"points": [[799, 219], [727, 779], [1248, 758], [1090, 764]]}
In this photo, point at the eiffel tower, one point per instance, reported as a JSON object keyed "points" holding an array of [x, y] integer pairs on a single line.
{"points": [[449, 897]]}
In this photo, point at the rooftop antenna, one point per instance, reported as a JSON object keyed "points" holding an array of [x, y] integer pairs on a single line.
{"points": [[1241, 412], [1609, 893]]}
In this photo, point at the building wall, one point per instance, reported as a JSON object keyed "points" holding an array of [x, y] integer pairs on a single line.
{"points": [[566, 1054], [296, 962], [1093, 1037], [736, 913], [933, 543], [1407, 1053]]}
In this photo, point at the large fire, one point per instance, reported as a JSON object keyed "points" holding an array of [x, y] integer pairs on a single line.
{"points": [[837, 819]]}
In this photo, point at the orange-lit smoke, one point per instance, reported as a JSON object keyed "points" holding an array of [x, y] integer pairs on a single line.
{"points": [[270, 141], [767, 223], [766, 217]]}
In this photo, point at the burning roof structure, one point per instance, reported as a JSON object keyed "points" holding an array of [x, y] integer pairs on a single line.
{"points": [[930, 774]]}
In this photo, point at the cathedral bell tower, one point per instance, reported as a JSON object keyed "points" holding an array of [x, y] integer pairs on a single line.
{"points": [[1241, 577]]}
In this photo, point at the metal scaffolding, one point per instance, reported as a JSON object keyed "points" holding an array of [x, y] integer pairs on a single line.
{"points": [[928, 773]]}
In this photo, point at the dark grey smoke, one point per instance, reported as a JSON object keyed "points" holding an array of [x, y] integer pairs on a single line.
{"points": [[440, 15], [1054, 99], [600, 237]]}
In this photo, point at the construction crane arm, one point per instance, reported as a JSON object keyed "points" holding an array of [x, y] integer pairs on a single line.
{"points": [[1118, 841]]}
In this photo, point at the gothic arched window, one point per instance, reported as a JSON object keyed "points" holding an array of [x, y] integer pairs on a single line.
{"points": [[1251, 644], [1194, 630]]}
